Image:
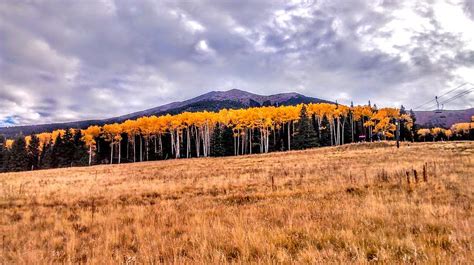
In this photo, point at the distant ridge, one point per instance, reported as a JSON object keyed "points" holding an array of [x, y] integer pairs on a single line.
{"points": [[212, 101], [444, 118]]}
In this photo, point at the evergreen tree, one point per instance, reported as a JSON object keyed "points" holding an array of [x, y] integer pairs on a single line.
{"points": [[325, 135], [47, 156], [80, 156], [34, 152], [305, 136], [18, 160], [5, 159], [64, 149], [347, 130], [103, 149], [2, 153], [217, 143], [414, 128], [405, 133], [228, 140], [68, 148], [56, 152]]}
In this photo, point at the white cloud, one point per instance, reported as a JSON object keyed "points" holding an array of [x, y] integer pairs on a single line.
{"points": [[103, 59]]}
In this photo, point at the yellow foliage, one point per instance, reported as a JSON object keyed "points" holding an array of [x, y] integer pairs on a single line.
{"points": [[57, 133], [9, 143], [28, 139], [112, 132], [240, 120], [423, 132], [437, 131], [462, 128], [90, 134]]}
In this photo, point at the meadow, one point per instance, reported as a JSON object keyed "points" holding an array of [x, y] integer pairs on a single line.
{"points": [[356, 203]]}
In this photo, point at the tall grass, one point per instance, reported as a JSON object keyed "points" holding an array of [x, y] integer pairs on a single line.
{"points": [[355, 203]]}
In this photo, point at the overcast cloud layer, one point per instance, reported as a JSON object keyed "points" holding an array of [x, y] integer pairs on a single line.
{"points": [[70, 60]]}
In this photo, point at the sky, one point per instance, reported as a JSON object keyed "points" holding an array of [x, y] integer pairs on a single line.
{"points": [[91, 59]]}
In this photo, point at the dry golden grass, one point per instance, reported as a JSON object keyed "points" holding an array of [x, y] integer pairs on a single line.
{"points": [[345, 204]]}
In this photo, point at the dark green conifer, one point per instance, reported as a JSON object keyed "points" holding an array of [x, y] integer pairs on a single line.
{"points": [[18, 160], [80, 156], [217, 143], [305, 135], [34, 152]]}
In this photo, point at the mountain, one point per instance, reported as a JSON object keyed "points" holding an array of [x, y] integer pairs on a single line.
{"points": [[212, 101], [216, 100], [234, 99], [444, 118]]}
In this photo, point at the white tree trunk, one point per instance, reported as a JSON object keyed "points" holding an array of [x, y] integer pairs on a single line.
{"points": [[160, 144], [177, 145], [250, 132], [134, 151], [119, 151], [238, 142], [188, 143], [147, 148], [289, 136], [268, 140], [172, 143], [111, 152], [198, 142], [90, 154], [141, 148]]}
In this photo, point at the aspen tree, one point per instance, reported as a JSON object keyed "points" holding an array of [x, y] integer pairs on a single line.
{"points": [[89, 136], [131, 128], [113, 133]]}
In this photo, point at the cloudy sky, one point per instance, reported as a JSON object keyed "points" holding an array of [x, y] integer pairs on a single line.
{"points": [[69, 60]]}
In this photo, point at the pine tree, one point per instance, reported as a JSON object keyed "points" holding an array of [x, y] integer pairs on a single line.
{"points": [[347, 132], [34, 152], [69, 148], [405, 133], [18, 160], [228, 140], [217, 142], [305, 135], [47, 156], [3, 154], [80, 156], [56, 152], [414, 127], [5, 159], [325, 137], [64, 149]]}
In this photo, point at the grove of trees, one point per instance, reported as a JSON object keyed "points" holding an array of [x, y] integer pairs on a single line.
{"points": [[202, 134], [459, 131]]}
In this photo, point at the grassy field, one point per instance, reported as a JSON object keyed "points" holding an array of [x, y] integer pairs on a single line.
{"points": [[341, 204]]}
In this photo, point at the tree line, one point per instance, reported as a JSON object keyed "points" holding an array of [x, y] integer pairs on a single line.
{"points": [[203, 134], [458, 131]]}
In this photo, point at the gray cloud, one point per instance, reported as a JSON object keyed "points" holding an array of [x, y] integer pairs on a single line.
{"points": [[68, 60], [469, 8]]}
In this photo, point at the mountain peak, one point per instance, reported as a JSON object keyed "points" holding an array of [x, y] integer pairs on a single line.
{"points": [[235, 90]]}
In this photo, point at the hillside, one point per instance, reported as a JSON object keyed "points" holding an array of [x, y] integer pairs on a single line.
{"points": [[212, 101], [348, 204], [445, 118]]}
